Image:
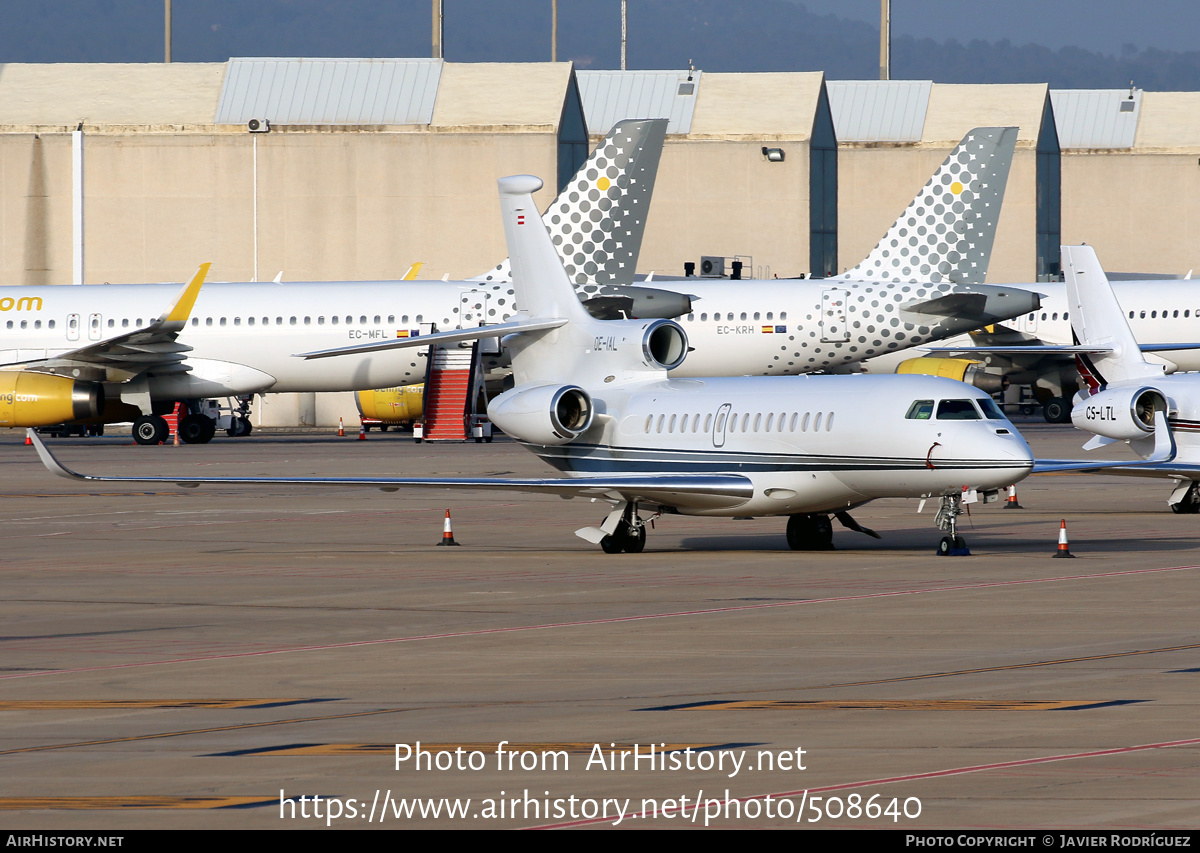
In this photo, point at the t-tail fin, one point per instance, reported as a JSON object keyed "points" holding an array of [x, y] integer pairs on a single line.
{"points": [[542, 287], [946, 233], [1098, 320], [598, 220]]}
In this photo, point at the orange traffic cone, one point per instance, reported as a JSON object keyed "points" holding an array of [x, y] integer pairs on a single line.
{"points": [[1011, 502], [341, 428], [447, 533], [362, 432], [28, 439], [1064, 550]]}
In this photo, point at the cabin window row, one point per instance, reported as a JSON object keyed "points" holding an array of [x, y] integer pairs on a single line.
{"points": [[718, 317], [299, 321], [740, 422], [1155, 315]]}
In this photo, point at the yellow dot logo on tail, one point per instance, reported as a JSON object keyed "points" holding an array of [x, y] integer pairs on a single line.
{"points": [[602, 184], [956, 187]]}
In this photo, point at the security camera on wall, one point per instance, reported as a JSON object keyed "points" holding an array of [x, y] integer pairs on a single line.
{"points": [[258, 125]]}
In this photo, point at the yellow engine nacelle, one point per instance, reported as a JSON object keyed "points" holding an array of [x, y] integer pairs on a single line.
{"points": [[962, 369], [392, 405], [40, 399]]}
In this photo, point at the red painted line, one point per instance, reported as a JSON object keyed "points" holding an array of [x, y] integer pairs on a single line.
{"points": [[911, 777], [581, 623]]}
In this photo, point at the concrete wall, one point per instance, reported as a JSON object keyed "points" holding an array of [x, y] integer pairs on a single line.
{"points": [[1140, 207], [354, 204]]}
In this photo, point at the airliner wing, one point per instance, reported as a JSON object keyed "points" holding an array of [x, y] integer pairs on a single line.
{"points": [[122, 357], [695, 491], [492, 331]]}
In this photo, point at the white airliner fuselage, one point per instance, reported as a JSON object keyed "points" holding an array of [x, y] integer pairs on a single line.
{"points": [[243, 335]]}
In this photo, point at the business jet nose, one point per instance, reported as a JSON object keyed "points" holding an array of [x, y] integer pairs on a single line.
{"points": [[1011, 450]]}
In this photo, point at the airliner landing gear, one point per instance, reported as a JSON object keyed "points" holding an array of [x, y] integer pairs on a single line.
{"points": [[197, 429], [239, 423], [630, 535], [952, 545], [150, 429], [809, 533], [1185, 500]]}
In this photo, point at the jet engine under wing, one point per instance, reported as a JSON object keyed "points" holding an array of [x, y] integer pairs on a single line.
{"points": [[700, 491], [125, 356]]}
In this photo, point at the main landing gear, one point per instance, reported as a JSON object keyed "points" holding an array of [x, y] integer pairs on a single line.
{"points": [[629, 535], [1185, 500], [150, 429], [951, 545], [814, 532], [810, 533]]}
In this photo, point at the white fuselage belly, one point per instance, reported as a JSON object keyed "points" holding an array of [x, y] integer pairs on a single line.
{"points": [[262, 325], [827, 456]]}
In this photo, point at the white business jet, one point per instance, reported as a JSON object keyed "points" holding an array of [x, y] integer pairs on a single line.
{"points": [[593, 399], [1125, 393]]}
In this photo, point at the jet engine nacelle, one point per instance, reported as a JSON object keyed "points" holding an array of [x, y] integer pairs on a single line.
{"points": [[665, 344], [1122, 413], [392, 405], [40, 399], [543, 414], [964, 370]]}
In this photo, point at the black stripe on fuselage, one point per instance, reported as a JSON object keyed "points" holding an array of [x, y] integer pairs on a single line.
{"points": [[593, 458]]}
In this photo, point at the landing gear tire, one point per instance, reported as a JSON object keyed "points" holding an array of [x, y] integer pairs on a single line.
{"points": [[197, 429], [951, 543], [635, 540], [631, 540], [239, 428], [150, 429], [1057, 411], [610, 544], [810, 533], [1190, 504]]}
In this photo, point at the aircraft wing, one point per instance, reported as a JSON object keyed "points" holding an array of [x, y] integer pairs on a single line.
{"points": [[697, 491], [492, 331], [122, 357]]}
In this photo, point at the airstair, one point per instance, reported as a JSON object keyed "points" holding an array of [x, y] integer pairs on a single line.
{"points": [[453, 380]]}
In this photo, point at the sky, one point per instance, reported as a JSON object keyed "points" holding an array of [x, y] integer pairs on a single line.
{"points": [[839, 36], [1099, 25]]}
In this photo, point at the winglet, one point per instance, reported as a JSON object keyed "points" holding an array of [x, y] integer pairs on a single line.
{"points": [[52, 464], [415, 268], [182, 309]]}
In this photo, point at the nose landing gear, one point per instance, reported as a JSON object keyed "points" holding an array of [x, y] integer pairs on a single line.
{"points": [[951, 545]]}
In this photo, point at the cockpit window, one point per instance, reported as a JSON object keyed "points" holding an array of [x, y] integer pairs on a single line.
{"points": [[990, 410], [921, 410], [957, 410]]}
